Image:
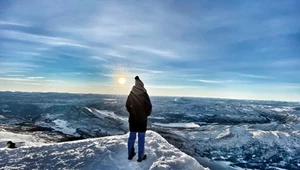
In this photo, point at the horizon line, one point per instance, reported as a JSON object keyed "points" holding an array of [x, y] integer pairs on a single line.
{"points": [[207, 97]]}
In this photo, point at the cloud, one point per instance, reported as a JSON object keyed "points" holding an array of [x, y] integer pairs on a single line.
{"points": [[55, 41], [29, 83], [163, 53], [292, 86], [14, 75], [171, 87], [115, 54], [220, 81], [20, 79], [213, 81], [255, 76], [26, 53], [168, 46], [147, 70], [14, 79], [2, 22], [73, 73], [286, 63], [35, 77], [54, 81], [97, 58], [18, 65], [14, 70], [31, 80]]}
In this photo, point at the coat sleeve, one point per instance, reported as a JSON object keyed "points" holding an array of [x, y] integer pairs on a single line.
{"points": [[128, 104], [148, 105]]}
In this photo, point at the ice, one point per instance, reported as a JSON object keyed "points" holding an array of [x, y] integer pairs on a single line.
{"points": [[109, 153], [178, 125]]}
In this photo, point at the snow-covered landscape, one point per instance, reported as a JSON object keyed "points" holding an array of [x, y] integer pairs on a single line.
{"points": [[109, 153], [184, 133]]}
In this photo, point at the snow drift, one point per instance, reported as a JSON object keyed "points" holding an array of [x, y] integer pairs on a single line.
{"points": [[109, 153]]}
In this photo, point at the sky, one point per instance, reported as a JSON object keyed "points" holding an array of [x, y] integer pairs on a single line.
{"points": [[225, 49]]}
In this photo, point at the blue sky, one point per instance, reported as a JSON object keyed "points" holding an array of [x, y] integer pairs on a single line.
{"points": [[229, 49]]}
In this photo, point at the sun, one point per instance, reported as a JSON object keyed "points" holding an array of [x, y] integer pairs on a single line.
{"points": [[122, 80]]}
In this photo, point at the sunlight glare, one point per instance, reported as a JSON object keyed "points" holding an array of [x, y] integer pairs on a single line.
{"points": [[122, 80]]}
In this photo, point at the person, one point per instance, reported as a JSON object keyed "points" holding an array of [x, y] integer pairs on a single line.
{"points": [[10, 144], [139, 106]]}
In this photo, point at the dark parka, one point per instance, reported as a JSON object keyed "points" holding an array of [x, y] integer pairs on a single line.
{"points": [[139, 107]]}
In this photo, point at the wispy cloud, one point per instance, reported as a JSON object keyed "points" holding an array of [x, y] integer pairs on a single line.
{"points": [[213, 81], [29, 83], [72, 73], [35, 77], [147, 70], [179, 43], [18, 64], [14, 79], [255, 76], [55, 41], [14, 75], [17, 67], [286, 63], [54, 81], [13, 23], [116, 75], [292, 86], [160, 52], [14, 70], [171, 87], [97, 58], [26, 53], [115, 54]]}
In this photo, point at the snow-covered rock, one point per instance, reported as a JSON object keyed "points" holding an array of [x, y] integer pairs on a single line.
{"points": [[107, 153]]}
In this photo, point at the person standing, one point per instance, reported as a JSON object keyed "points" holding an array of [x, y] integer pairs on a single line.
{"points": [[139, 106]]}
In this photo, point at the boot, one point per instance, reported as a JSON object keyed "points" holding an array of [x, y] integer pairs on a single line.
{"points": [[144, 158], [132, 154]]}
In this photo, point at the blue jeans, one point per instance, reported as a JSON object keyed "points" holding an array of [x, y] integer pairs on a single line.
{"points": [[141, 143]]}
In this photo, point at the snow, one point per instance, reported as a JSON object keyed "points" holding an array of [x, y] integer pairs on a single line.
{"points": [[7, 111], [157, 117], [282, 109], [178, 125], [227, 130], [109, 153], [223, 134], [19, 139], [102, 114], [62, 126], [259, 133], [108, 99]]}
